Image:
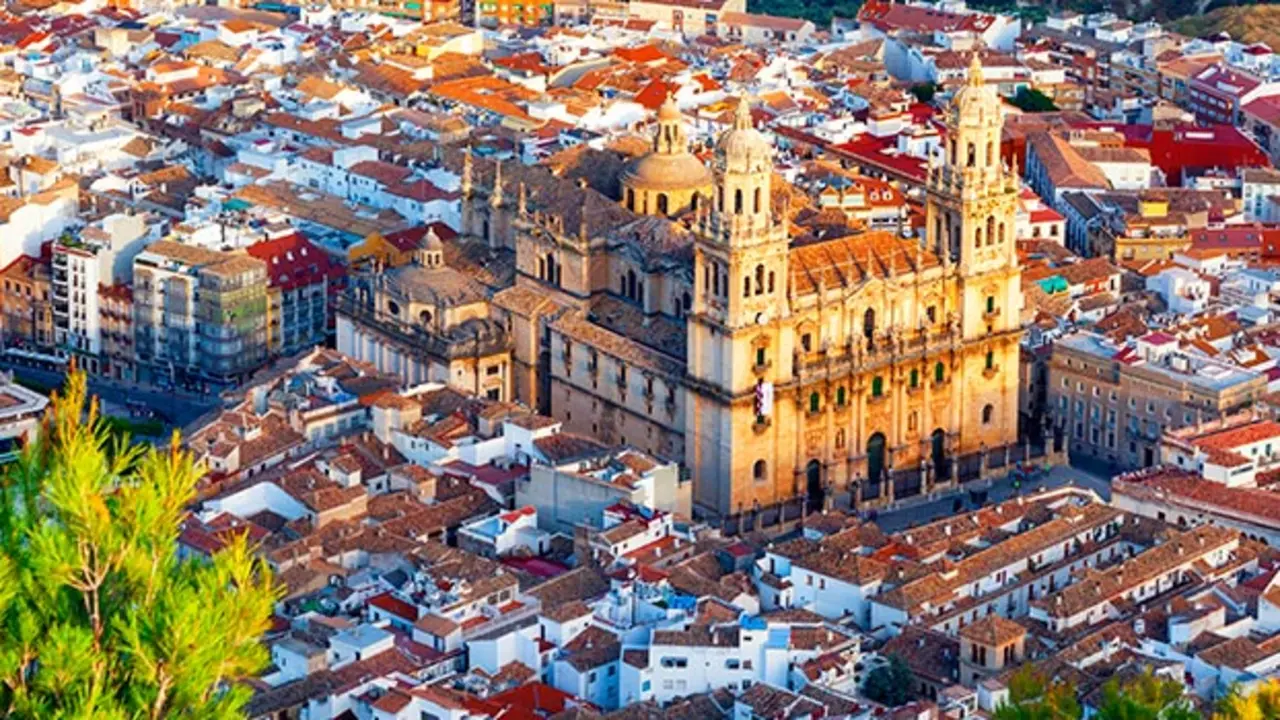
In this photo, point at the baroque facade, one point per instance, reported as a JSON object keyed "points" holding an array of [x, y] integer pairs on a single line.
{"points": [[870, 362]]}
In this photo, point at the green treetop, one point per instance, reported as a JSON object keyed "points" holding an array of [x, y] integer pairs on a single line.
{"points": [[98, 617]]}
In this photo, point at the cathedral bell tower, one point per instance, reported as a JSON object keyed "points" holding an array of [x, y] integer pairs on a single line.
{"points": [[971, 207], [741, 255], [734, 337]]}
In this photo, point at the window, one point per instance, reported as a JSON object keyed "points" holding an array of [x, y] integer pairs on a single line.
{"points": [[877, 386], [759, 357], [991, 304], [840, 396], [813, 402], [939, 373], [732, 664], [991, 360], [987, 413], [840, 439], [737, 202], [806, 342], [932, 313], [915, 378], [759, 471]]}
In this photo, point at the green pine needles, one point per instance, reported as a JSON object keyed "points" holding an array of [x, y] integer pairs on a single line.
{"points": [[98, 616]]}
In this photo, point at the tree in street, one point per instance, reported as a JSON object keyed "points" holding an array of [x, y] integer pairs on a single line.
{"points": [[1262, 703], [98, 617], [890, 684], [1032, 697], [1032, 100]]}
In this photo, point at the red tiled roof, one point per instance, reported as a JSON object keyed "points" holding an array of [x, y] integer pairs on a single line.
{"points": [[395, 606], [1235, 437], [644, 54], [293, 261], [891, 15], [1189, 146], [653, 94]]}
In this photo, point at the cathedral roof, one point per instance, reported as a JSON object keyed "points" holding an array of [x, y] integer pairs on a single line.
{"points": [[854, 259]]}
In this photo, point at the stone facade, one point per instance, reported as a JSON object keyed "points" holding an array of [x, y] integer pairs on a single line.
{"points": [[887, 359]]}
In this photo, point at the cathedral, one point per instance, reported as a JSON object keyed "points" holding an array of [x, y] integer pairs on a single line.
{"points": [[870, 363]]}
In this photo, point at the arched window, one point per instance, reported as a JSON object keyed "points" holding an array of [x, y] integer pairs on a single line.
{"points": [[1001, 240], [840, 396], [770, 281], [973, 155], [424, 317], [759, 279], [915, 377], [977, 237], [392, 307], [814, 402], [869, 324], [737, 201], [746, 286], [631, 200], [722, 199], [955, 155], [991, 359], [662, 203], [937, 228], [757, 201], [631, 284], [991, 230], [988, 412], [939, 373], [553, 273], [622, 282], [759, 471], [990, 154], [693, 201], [877, 386]]}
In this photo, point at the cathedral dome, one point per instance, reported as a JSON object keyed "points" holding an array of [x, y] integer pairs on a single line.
{"points": [[743, 148], [658, 171], [670, 173]]}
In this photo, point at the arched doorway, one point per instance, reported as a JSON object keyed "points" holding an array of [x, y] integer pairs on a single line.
{"points": [[875, 458], [813, 485], [938, 454]]}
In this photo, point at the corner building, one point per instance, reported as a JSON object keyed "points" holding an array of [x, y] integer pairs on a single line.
{"points": [[871, 362]]}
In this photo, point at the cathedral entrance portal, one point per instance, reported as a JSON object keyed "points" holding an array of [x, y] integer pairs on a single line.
{"points": [[875, 459], [813, 485], [938, 454]]}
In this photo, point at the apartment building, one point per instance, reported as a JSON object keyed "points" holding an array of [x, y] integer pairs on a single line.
{"points": [[303, 279], [1114, 402], [100, 255], [27, 318], [201, 315]]}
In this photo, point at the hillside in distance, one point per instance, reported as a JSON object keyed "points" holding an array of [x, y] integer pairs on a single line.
{"points": [[1248, 23], [1193, 17]]}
